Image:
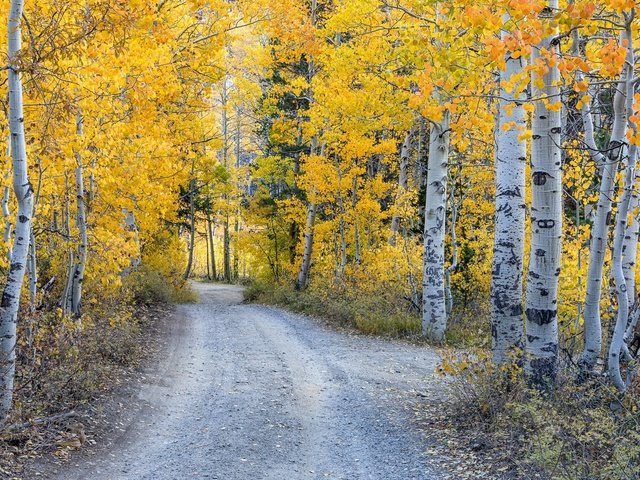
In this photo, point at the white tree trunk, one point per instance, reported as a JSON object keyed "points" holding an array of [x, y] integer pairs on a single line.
{"points": [[66, 294], [507, 328], [600, 227], [629, 256], [6, 213], [236, 258], [630, 246], [448, 294], [303, 274], [24, 194], [81, 220], [403, 181], [32, 266], [617, 340], [65, 301], [343, 239], [226, 249], [541, 305], [212, 246], [418, 167], [192, 229], [434, 311], [356, 224], [226, 235]]}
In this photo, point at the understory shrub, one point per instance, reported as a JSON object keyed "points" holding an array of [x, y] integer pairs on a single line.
{"points": [[585, 431], [159, 278], [373, 314], [150, 287], [384, 310]]}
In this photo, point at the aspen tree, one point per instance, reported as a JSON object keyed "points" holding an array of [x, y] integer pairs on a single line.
{"points": [[212, 246], [541, 305], [24, 194], [303, 274], [6, 213], [600, 229], [507, 326], [81, 221], [434, 310], [630, 246], [403, 180], [617, 340], [192, 227]]}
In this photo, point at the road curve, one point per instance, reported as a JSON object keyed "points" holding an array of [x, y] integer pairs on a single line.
{"points": [[250, 392]]}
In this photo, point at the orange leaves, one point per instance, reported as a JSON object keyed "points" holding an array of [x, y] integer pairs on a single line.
{"points": [[525, 8], [583, 10], [496, 49], [621, 5], [519, 42], [632, 134], [613, 53], [609, 57], [571, 64], [577, 14], [581, 86]]}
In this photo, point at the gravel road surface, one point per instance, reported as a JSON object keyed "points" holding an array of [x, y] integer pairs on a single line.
{"points": [[249, 392]]}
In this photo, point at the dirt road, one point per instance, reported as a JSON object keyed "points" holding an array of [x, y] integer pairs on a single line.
{"points": [[249, 392]]}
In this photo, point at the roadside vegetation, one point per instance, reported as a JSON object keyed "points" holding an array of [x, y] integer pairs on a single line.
{"points": [[70, 369]]}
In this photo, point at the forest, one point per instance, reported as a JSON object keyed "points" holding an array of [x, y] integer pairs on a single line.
{"points": [[462, 175]]}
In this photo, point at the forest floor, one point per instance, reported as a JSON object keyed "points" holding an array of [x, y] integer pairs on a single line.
{"points": [[241, 391]]}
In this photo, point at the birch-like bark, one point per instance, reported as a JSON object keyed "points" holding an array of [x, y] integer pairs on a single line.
{"points": [[541, 305], [81, 220], [434, 311], [91, 193], [629, 255], [600, 227], [454, 254], [302, 279], [212, 247], [6, 211], [617, 339], [226, 249], [7, 216], [226, 234], [418, 171], [356, 225], [192, 229], [341, 224], [206, 241], [403, 182], [32, 266], [303, 274], [630, 245], [10, 302], [236, 259], [32, 271], [65, 301], [507, 327]]}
